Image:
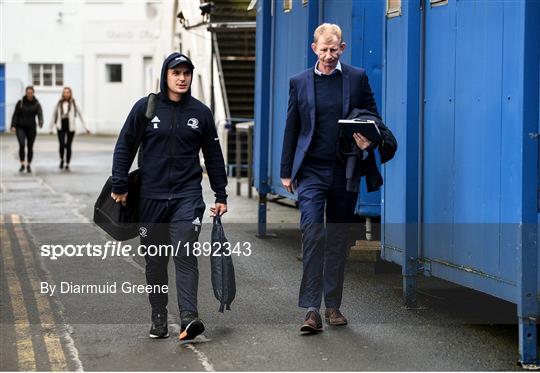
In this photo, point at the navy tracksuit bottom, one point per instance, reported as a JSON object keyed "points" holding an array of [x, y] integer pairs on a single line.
{"points": [[321, 188], [170, 222]]}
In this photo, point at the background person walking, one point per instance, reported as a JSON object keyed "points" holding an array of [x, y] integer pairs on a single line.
{"points": [[23, 123], [63, 119]]}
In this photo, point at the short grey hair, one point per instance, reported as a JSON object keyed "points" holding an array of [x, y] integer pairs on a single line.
{"points": [[331, 27]]}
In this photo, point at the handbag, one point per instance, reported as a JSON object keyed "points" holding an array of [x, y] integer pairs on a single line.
{"points": [[122, 222]]}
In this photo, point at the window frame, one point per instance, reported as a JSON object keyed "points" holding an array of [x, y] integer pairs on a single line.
{"points": [[109, 73], [287, 6], [56, 71], [394, 9], [435, 3]]}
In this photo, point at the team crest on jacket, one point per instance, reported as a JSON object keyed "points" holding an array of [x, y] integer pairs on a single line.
{"points": [[193, 123], [143, 232], [155, 122]]}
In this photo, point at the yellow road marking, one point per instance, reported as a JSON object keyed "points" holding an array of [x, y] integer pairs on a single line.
{"points": [[53, 345], [23, 335]]}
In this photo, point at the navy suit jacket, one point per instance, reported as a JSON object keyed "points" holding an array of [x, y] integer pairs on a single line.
{"points": [[300, 122]]}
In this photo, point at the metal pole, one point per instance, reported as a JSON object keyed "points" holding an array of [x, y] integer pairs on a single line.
{"points": [[261, 231], [250, 161], [238, 161]]}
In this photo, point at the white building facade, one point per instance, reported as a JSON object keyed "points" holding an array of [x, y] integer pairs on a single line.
{"points": [[103, 50]]}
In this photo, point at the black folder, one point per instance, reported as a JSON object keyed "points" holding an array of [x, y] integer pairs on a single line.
{"points": [[366, 127]]}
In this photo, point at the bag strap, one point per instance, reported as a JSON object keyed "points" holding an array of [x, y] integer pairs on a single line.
{"points": [[148, 114], [150, 106]]}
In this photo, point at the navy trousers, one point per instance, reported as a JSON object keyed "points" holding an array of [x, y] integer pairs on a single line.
{"points": [[172, 222], [321, 191]]}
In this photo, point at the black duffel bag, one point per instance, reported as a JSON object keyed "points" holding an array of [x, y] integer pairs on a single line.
{"points": [[120, 222], [223, 280]]}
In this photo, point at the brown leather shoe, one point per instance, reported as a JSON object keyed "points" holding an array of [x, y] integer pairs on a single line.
{"points": [[334, 317], [313, 323]]}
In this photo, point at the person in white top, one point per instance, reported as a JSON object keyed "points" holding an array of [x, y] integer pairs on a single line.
{"points": [[64, 120]]}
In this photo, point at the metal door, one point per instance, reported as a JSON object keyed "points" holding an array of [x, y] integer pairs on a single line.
{"points": [[463, 211], [289, 57], [113, 98]]}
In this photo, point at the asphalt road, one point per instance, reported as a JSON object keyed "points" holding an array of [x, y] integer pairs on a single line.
{"points": [[454, 329]]}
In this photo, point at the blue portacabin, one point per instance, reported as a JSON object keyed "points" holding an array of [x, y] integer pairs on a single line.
{"points": [[457, 82]]}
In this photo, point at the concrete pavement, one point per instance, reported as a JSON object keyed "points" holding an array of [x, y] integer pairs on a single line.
{"points": [[109, 331]]}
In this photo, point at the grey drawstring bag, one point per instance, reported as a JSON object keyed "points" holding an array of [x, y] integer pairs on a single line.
{"points": [[223, 280]]}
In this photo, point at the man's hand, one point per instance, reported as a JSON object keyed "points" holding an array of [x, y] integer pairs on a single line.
{"points": [[218, 209], [361, 141], [120, 198], [13, 129], [288, 184]]}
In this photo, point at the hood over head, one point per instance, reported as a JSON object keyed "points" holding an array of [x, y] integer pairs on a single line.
{"points": [[173, 60]]}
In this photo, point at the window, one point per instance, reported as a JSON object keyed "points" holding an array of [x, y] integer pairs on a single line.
{"points": [[59, 75], [393, 8], [47, 74], [287, 6], [114, 72]]}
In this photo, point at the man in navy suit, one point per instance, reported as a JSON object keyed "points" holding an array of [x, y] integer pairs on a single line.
{"points": [[318, 98]]}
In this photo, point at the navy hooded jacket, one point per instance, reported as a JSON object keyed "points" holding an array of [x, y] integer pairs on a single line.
{"points": [[170, 147]]}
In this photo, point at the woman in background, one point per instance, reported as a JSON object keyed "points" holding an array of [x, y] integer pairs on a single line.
{"points": [[63, 119], [23, 123]]}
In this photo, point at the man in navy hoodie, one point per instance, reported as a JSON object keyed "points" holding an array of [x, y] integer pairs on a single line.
{"points": [[171, 203]]}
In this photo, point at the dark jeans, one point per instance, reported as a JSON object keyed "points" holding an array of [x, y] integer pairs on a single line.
{"points": [[26, 136], [65, 138], [321, 191], [170, 223]]}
